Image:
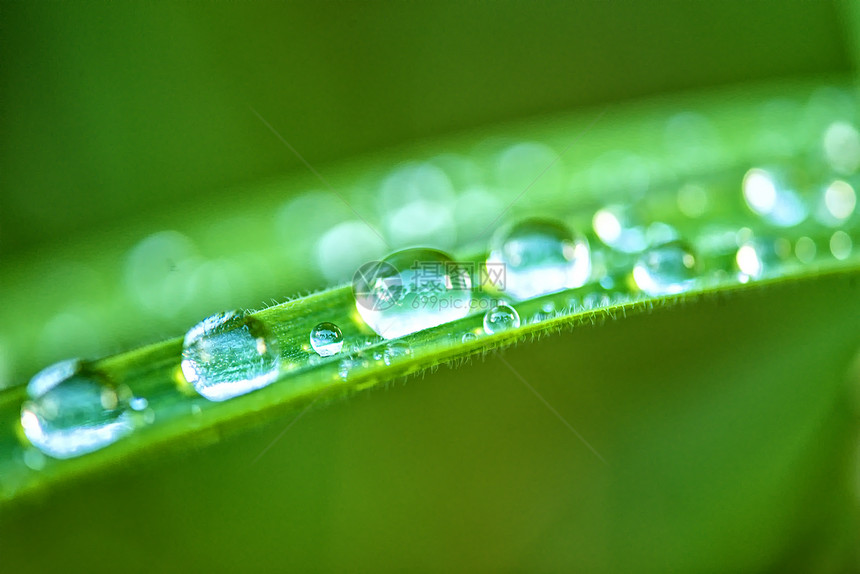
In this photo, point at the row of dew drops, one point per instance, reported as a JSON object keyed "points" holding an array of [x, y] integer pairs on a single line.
{"points": [[74, 409]]}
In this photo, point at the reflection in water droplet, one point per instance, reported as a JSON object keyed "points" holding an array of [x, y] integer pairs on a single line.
{"points": [[538, 257], [665, 269], [326, 339], [615, 227], [501, 318], [229, 354], [840, 245], [772, 198], [411, 290], [73, 412], [394, 351]]}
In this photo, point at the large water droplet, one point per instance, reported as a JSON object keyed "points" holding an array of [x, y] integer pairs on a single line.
{"points": [[412, 290], [501, 318], [229, 354], [538, 257], [326, 339], [666, 269], [72, 411]]}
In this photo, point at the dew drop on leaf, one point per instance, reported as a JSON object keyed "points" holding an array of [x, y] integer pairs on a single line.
{"points": [[501, 318], [229, 354], [73, 412], [326, 339], [538, 257], [665, 269], [412, 290]]}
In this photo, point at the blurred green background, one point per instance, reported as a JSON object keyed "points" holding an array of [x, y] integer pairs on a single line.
{"points": [[729, 425]]}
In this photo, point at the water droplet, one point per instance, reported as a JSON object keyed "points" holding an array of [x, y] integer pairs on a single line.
{"points": [[412, 290], [73, 411], [665, 269], [229, 354], [394, 351], [769, 195], [468, 337], [548, 307], [326, 339], [615, 226], [538, 257], [757, 258], [501, 318], [840, 245]]}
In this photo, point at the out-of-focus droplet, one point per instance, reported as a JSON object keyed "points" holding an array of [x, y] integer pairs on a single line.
{"points": [[616, 226], [840, 245], [804, 249], [838, 202], [692, 200], [229, 354], [770, 196], [72, 411], [841, 145], [666, 269], [345, 246], [500, 318], [326, 339], [760, 258], [539, 257], [411, 290]]}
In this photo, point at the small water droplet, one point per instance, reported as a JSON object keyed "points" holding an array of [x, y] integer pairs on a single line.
{"points": [[468, 337], [548, 307], [326, 339], [538, 257], [229, 354], [394, 351], [665, 269], [412, 290], [501, 318], [73, 411]]}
